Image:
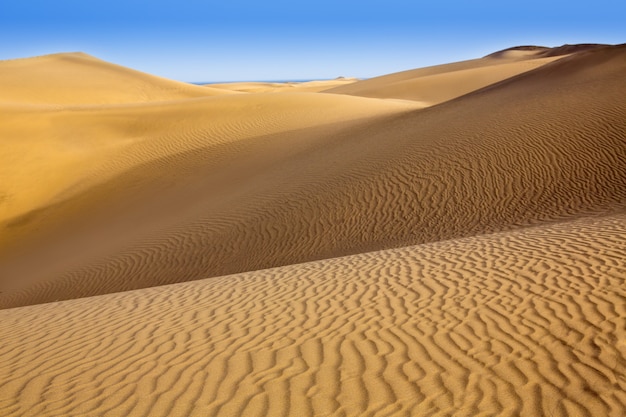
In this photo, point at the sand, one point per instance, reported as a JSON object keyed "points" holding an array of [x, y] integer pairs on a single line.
{"points": [[284, 87], [454, 251], [434, 85], [79, 79], [530, 322]]}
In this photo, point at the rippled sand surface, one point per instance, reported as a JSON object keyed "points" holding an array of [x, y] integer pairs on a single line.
{"points": [[444, 241]]}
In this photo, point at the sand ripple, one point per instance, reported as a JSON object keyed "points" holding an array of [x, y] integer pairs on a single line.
{"points": [[530, 322]]}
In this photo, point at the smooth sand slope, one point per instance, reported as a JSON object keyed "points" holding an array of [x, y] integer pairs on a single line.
{"points": [[80, 79], [77, 148], [434, 85], [200, 196], [530, 322]]}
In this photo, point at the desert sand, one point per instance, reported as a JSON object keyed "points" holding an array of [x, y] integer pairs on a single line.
{"points": [[434, 85], [285, 87], [442, 241]]}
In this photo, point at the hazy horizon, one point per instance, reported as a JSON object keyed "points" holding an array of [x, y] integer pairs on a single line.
{"points": [[243, 40]]}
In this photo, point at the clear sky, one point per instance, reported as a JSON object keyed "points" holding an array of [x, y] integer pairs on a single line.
{"points": [[230, 40]]}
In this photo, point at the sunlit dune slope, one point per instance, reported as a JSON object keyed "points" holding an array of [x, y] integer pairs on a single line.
{"points": [[541, 147], [434, 85], [75, 149], [80, 79], [529, 322]]}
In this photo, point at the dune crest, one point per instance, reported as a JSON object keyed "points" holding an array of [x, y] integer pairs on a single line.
{"points": [[440, 83], [544, 51], [80, 79]]}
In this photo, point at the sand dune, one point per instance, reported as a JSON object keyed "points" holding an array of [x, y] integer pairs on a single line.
{"points": [[533, 51], [529, 322], [266, 87], [77, 149], [80, 79], [344, 255], [519, 153], [434, 85]]}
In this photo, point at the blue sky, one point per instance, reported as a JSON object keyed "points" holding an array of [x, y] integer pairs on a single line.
{"points": [[193, 40]]}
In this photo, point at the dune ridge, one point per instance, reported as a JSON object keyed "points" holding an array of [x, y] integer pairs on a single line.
{"points": [[527, 322], [440, 83], [544, 51], [437, 84], [80, 79]]}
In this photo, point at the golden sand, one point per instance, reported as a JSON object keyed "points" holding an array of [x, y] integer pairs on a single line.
{"points": [[285, 87], [529, 322], [451, 242]]}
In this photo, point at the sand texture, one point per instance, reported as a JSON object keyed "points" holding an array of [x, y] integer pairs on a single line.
{"points": [[443, 241], [530, 322]]}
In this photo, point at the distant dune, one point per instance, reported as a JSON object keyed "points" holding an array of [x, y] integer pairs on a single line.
{"points": [[442, 241], [80, 79], [543, 51], [434, 85], [264, 87]]}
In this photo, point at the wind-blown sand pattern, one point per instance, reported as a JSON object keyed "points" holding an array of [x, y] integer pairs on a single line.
{"points": [[443, 241], [529, 322]]}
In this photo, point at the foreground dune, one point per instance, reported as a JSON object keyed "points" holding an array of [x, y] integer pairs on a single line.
{"points": [[529, 322], [208, 196]]}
